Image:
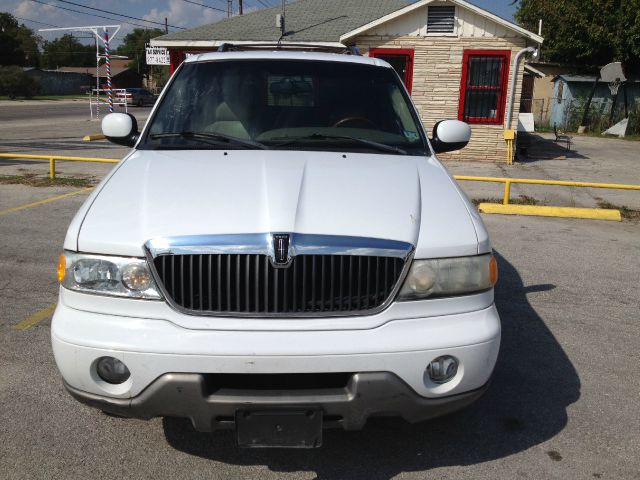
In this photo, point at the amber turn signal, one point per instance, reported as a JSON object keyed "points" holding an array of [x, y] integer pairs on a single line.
{"points": [[493, 270], [62, 267]]}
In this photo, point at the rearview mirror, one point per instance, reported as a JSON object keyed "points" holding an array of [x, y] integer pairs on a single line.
{"points": [[120, 128], [449, 135]]}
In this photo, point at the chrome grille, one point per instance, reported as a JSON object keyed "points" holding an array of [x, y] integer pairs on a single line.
{"points": [[250, 284]]}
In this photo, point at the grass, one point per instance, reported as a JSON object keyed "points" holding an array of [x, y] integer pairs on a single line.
{"points": [[35, 181], [521, 200], [47, 97], [626, 212]]}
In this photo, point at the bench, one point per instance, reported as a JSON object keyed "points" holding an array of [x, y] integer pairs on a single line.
{"points": [[562, 137]]}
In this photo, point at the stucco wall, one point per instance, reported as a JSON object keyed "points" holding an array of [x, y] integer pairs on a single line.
{"points": [[437, 73]]}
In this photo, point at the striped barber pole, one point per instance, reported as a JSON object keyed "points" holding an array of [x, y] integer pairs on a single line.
{"points": [[107, 56]]}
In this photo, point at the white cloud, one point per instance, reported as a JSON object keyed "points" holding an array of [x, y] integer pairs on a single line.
{"points": [[177, 12], [183, 14]]}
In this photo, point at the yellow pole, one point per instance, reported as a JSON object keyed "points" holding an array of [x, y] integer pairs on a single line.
{"points": [[52, 168], [507, 192]]}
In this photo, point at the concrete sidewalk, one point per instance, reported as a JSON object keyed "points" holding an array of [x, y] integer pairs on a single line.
{"points": [[601, 160]]}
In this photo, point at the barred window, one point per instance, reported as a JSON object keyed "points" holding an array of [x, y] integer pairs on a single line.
{"points": [[483, 88]]}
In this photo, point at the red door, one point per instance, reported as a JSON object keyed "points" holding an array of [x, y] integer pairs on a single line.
{"points": [[401, 59]]}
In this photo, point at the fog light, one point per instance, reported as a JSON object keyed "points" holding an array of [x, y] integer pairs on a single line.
{"points": [[112, 370], [442, 369]]}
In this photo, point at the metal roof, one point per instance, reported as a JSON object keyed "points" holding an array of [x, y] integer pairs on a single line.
{"points": [[306, 21]]}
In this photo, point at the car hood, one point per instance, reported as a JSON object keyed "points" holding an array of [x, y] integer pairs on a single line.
{"points": [[172, 193]]}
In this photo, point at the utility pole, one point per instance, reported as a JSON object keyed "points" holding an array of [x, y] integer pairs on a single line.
{"points": [[240, 7], [229, 8], [166, 25]]}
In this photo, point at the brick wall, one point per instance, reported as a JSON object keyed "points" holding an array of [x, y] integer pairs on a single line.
{"points": [[437, 72]]}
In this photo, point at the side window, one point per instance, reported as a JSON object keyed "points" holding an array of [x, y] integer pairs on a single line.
{"points": [[403, 114], [483, 87]]}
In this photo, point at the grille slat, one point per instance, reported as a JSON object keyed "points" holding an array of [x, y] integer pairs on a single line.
{"points": [[250, 284]]}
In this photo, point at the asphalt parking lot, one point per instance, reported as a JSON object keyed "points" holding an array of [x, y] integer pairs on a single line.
{"points": [[563, 402]]}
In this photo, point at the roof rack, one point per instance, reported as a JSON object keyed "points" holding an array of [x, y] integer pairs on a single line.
{"points": [[240, 47]]}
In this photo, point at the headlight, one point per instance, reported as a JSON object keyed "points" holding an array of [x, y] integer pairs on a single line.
{"points": [[106, 275], [449, 276]]}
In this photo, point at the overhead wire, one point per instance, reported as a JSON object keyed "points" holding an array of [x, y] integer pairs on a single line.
{"points": [[118, 14], [36, 21], [94, 14], [205, 6]]}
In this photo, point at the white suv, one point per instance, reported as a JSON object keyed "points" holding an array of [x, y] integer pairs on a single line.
{"points": [[280, 251]]}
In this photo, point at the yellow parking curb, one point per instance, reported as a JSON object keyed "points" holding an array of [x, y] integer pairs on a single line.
{"points": [[565, 212], [93, 138]]}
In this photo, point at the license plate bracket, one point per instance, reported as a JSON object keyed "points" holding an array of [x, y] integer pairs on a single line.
{"points": [[279, 428]]}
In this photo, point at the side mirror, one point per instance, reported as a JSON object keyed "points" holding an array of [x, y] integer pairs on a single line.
{"points": [[449, 135], [120, 128]]}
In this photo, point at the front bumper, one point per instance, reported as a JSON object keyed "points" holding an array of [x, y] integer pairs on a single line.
{"points": [[170, 363], [366, 394]]}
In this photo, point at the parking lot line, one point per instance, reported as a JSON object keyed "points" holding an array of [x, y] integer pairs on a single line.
{"points": [[36, 318], [42, 202]]}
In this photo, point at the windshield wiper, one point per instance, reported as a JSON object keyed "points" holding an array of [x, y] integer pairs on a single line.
{"points": [[322, 136], [211, 138]]}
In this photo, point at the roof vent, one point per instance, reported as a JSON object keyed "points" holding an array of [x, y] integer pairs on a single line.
{"points": [[441, 19]]}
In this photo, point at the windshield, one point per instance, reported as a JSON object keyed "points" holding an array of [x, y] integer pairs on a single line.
{"points": [[286, 104]]}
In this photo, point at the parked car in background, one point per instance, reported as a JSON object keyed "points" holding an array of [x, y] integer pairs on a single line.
{"points": [[138, 96]]}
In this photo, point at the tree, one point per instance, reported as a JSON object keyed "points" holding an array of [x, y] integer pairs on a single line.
{"points": [[133, 46], [14, 82], [67, 51], [586, 32], [18, 43]]}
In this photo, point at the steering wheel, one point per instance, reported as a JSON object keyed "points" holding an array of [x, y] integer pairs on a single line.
{"points": [[362, 120]]}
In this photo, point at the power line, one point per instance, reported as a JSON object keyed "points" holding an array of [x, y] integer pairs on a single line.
{"points": [[35, 21], [203, 5], [262, 2], [91, 14], [118, 14]]}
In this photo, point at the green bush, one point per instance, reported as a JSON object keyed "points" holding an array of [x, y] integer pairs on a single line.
{"points": [[14, 82]]}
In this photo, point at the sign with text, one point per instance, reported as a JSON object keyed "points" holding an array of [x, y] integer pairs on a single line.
{"points": [[157, 56]]}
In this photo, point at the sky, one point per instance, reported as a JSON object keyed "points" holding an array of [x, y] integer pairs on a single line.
{"points": [[38, 14]]}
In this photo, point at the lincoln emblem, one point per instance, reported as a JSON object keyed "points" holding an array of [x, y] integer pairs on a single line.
{"points": [[280, 249]]}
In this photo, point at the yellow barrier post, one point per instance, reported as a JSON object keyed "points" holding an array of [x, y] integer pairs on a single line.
{"points": [[547, 211], [52, 168], [509, 136], [507, 193]]}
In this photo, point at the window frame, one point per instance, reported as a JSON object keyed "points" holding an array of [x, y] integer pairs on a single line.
{"points": [[505, 55], [409, 52]]}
